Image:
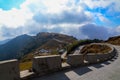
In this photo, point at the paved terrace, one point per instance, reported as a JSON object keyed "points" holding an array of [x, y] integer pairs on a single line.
{"points": [[109, 70]]}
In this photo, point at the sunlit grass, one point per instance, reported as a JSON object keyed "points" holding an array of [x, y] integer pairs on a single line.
{"points": [[95, 48], [25, 65]]}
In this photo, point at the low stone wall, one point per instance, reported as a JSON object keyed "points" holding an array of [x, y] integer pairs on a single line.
{"points": [[102, 57], [46, 64], [90, 58], [75, 60], [113, 53], [9, 70], [95, 58]]}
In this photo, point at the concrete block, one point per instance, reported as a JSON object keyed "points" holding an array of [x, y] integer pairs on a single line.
{"points": [[91, 58], [75, 60], [107, 56], [9, 70], [101, 57], [113, 53], [46, 64]]}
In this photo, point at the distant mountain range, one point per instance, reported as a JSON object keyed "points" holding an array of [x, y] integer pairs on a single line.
{"points": [[4, 41], [24, 44]]}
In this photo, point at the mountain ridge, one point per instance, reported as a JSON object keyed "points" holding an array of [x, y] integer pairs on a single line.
{"points": [[4, 41], [114, 40], [24, 44]]}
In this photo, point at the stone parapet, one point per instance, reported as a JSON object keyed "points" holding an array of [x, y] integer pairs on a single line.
{"points": [[90, 58], [75, 60], [100, 57], [9, 70], [45, 64]]}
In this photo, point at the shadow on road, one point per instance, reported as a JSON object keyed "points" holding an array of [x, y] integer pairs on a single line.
{"points": [[98, 66], [106, 63], [81, 71]]}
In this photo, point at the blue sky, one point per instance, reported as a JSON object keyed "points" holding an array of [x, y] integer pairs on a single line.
{"points": [[79, 18], [9, 4]]}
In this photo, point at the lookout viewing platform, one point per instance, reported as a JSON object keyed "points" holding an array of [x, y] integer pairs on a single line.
{"points": [[77, 67]]}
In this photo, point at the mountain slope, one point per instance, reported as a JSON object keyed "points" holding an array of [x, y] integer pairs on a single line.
{"points": [[114, 40], [24, 44], [4, 41], [16, 47], [52, 44], [54, 40]]}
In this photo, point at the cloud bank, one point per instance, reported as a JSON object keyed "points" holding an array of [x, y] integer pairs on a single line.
{"points": [[81, 19]]}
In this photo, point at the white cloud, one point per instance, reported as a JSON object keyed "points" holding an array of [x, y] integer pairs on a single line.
{"points": [[117, 29], [97, 3], [14, 17], [64, 16], [117, 5], [102, 18], [102, 4], [18, 17], [55, 6]]}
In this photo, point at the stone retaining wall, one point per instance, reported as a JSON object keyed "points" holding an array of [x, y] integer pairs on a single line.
{"points": [[90, 58], [9, 70], [95, 58], [74, 60]]}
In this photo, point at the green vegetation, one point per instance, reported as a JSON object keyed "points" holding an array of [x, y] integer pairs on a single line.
{"points": [[95, 49]]}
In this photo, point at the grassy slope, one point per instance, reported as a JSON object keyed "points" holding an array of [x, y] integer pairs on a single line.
{"points": [[95, 48], [114, 40]]}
